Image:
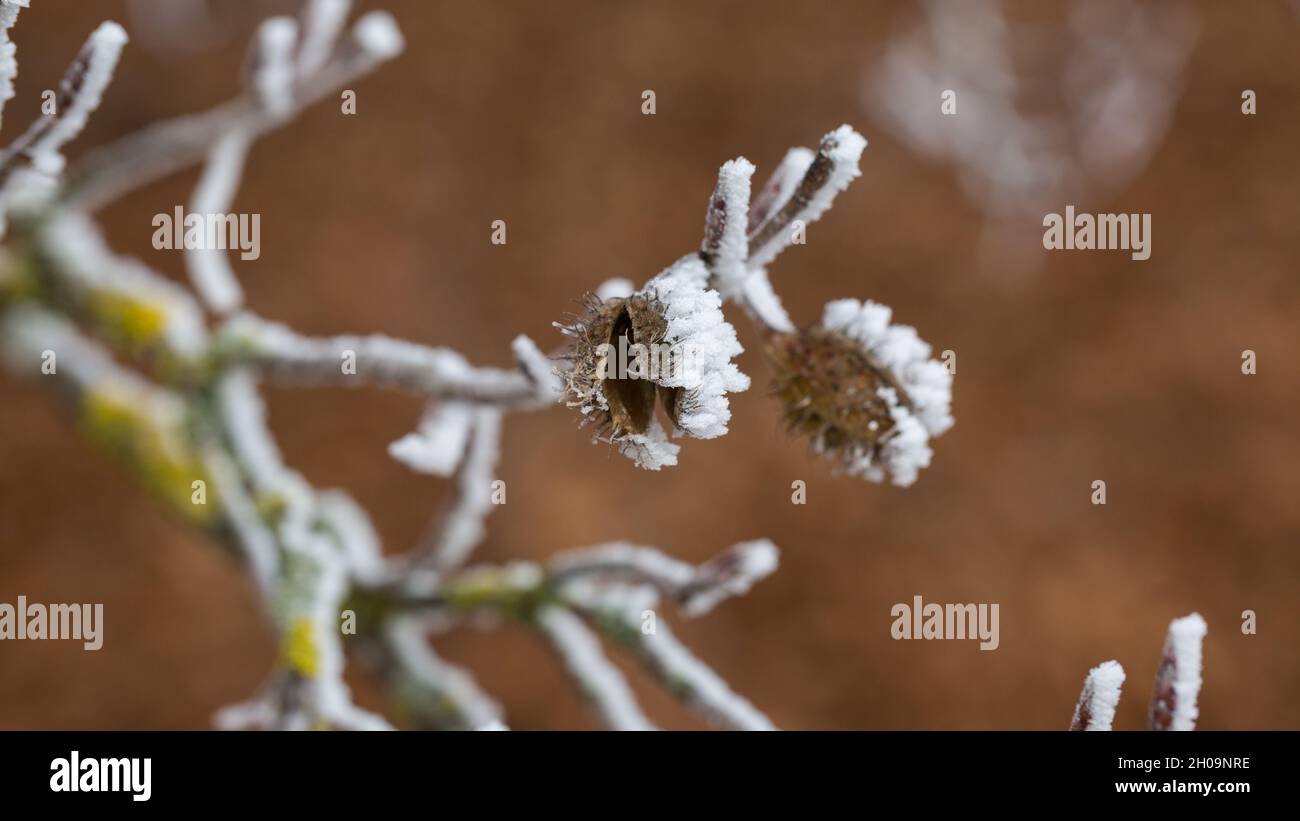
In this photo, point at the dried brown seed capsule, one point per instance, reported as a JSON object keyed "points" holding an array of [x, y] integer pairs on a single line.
{"points": [[667, 343], [830, 389], [619, 403]]}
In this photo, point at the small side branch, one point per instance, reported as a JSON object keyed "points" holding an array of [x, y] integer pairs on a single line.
{"points": [[462, 526], [600, 681], [1099, 698], [625, 614], [172, 145], [436, 694], [282, 354], [80, 93], [831, 171], [696, 589], [1178, 681], [725, 248]]}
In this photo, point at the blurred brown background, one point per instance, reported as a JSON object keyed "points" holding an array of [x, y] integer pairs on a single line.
{"points": [[1092, 367]]}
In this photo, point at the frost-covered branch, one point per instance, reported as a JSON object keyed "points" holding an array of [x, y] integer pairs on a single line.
{"points": [[79, 95], [144, 424], [436, 694], [616, 588], [461, 526], [283, 355], [600, 681], [172, 145], [832, 169], [1099, 697], [1178, 681], [696, 589], [208, 267], [626, 615], [726, 246], [250, 530], [8, 64], [121, 299], [322, 24]]}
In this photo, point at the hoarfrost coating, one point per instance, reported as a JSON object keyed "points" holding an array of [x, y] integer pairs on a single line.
{"points": [[1178, 684], [1099, 698]]}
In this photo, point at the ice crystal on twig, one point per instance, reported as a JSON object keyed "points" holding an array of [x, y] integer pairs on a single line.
{"points": [[598, 678], [1177, 684], [1099, 697], [696, 589], [322, 23], [437, 693], [1178, 681], [8, 64], [829, 172], [620, 610], [31, 164], [461, 526]]}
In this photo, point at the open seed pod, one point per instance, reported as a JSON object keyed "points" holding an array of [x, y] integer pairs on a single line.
{"points": [[665, 346]]}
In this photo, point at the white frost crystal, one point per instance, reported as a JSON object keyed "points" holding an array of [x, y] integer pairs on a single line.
{"points": [[100, 53], [697, 328], [377, 32], [1183, 646], [439, 445], [1100, 696], [651, 450], [842, 149], [8, 65], [927, 383]]}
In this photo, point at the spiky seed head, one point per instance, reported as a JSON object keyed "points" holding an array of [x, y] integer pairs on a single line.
{"points": [[830, 390]]}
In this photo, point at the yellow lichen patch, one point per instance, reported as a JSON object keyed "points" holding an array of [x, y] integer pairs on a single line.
{"points": [[137, 324], [298, 651], [271, 506], [174, 483], [130, 426], [16, 278], [107, 418], [498, 589]]}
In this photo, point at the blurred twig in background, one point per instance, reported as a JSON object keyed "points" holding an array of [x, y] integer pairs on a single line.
{"points": [[1044, 114]]}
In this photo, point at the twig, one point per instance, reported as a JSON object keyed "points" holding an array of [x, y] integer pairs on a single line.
{"points": [[439, 695], [283, 355], [599, 680], [1099, 697], [1178, 681], [461, 526], [696, 589], [622, 613], [172, 145]]}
